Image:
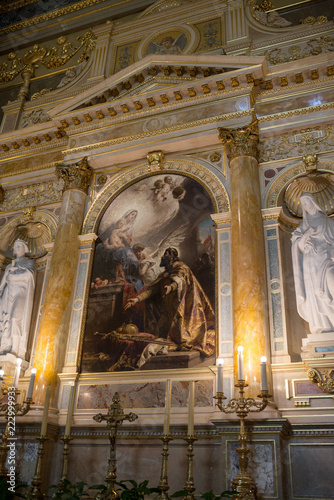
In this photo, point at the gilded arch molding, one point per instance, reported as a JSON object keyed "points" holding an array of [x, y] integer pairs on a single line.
{"points": [[274, 193], [197, 171]]}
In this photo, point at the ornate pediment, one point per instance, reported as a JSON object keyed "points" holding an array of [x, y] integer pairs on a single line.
{"points": [[158, 74]]}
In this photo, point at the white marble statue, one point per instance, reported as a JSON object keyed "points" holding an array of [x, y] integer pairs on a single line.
{"points": [[313, 266], [16, 301]]}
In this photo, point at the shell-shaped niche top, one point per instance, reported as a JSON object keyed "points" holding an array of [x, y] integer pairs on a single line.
{"points": [[319, 184], [35, 234]]}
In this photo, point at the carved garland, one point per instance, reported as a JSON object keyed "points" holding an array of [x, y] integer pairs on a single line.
{"points": [[55, 57]]}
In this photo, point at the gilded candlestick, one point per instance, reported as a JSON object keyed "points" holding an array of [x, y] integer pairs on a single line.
{"points": [[243, 482], [10, 410], [35, 491], [189, 486], [163, 483], [64, 472]]}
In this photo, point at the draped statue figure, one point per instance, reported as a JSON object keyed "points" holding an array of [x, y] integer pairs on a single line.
{"points": [[313, 266], [16, 302]]}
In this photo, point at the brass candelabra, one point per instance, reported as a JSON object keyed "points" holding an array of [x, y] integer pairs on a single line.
{"points": [[163, 486], [35, 491], [64, 472], [10, 410], [189, 486], [243, 483], [114, 418]]}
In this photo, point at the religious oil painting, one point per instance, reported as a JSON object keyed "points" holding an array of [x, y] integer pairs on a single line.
{"points": [[173, 42], [152, 296]]}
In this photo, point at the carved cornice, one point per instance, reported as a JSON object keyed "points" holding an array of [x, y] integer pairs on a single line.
{"points": [[241, 141], [75, 176], [153, 133], [49, 15]]}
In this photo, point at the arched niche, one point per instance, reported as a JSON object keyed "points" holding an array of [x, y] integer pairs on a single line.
{"points": [[37, 229], [194, 170], [296, 328], [275, 192]]}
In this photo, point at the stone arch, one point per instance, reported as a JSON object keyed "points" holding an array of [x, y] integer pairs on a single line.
{"points": [[195, 170], [275, 191]]}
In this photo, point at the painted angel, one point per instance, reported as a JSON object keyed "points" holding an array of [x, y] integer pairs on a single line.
{"points": [[168, 45]]}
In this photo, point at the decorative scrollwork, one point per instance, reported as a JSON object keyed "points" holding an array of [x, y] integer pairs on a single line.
{"points": [[324, 379], [52, 58]]}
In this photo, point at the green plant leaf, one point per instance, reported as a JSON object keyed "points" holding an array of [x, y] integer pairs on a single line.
{"points": [[178, 494], [97, 487], [209, 495]]}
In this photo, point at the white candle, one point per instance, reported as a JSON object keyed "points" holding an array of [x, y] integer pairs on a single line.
{"points": [[167, 406], [220, 363], [191, 405], [17, 372], [70, 412], [45, 412], [264, 385], [240, 363], [1, 374], [31, 382]]}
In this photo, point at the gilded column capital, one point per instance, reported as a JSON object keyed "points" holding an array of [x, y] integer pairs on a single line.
{"points": [[241, 141], [75, 176]]}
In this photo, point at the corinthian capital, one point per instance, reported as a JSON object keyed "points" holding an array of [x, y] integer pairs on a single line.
{"points": [[241, 141], [75, 176]]}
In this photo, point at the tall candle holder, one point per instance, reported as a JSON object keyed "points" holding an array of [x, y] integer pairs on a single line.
{"points": [[64, 470], [10, 410], [35, 491], [163, 486], [243, 483], [114, 418], [189, 486]]}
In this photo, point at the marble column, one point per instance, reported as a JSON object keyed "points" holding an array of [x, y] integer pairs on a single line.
{"points": [[54, 324], [249, 285]]}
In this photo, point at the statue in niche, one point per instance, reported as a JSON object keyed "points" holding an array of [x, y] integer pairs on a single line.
{"points": [[16, 301], [313, 266]]}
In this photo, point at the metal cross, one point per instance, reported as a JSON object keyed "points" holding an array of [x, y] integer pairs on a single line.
{"points": [[114, 418]]}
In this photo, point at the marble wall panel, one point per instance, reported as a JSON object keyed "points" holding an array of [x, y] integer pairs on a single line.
{"points": [[146, 395], [311, 468], [261, 466]]}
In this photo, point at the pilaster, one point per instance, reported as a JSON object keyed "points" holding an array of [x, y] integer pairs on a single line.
{"points": [[250, 315], [54, 324]]}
